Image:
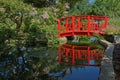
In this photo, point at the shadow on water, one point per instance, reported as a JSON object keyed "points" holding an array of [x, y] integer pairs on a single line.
{"points": [[69, 62], [116, 61]]}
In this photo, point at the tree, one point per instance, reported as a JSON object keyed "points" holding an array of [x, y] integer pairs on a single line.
{"points": [[105, 7], [99, 7], [41, 3], [15, 11], [81, 8]]}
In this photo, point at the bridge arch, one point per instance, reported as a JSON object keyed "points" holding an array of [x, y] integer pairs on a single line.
{"points": [[79, 53], [83, 25]]}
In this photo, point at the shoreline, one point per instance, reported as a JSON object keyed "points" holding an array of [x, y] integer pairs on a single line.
{"points": [[116, 61], [107, 70]]}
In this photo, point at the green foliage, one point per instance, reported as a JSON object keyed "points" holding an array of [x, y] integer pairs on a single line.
{"points": [[15, 10], [48, 3], [98, 36], [60, 9], [81, 7], [14, 6], [85, 41], [105, 7], [99, 7], [51, 34], [29, 23], [40, 3], [114, 21], [112, 30], [40, 22], [6, 33], [34, 27]]}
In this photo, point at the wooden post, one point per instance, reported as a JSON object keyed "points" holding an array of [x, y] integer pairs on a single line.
{"points": [[93, 24], [66, 25], [88, 56], [73, 56], [106, 22], [88, 25], [79, 24], [66, 52], [79, 55], [73, 25]]}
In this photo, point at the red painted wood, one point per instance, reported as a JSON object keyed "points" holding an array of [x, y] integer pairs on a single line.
{"points": [[83, 25], [80, 53]]}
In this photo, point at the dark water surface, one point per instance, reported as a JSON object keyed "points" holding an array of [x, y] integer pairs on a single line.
{"points": [[68, 62], [116, 61]]}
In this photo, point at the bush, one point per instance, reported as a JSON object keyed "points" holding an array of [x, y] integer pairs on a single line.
{"points": [[114, 22], [6, 33], [112, 30]]}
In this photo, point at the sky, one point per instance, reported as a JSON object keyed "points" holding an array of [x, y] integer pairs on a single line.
{"points": [[91, 1]]}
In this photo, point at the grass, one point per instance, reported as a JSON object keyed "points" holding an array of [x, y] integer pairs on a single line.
{"points": [[114, 22], [87, 43], [113, 26]]}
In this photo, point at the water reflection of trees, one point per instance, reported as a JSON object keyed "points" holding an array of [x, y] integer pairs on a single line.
{"points": [[17, 64]]}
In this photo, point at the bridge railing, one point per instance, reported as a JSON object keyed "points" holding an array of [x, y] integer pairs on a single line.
{"points": [[73, 53], [81, 23]]}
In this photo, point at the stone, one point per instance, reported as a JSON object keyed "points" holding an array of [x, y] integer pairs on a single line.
{"points": [[117, 38]]}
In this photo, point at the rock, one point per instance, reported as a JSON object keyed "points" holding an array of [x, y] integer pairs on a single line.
{"points": [[93, 39], [117, 38], [63, 40]]}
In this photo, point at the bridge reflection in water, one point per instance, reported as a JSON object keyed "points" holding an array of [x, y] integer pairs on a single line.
{"points": [[80, 55], [80, 61]]}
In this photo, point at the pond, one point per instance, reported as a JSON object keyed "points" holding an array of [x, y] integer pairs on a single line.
{"points": [[67, 62]]}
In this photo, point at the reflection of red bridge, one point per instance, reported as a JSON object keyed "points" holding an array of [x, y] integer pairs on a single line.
{"points": [[81, 25], [75, 54]]}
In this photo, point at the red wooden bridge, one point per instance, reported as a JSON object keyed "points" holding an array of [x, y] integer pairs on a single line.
{"points": [[83, 25], [79, 55]]}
